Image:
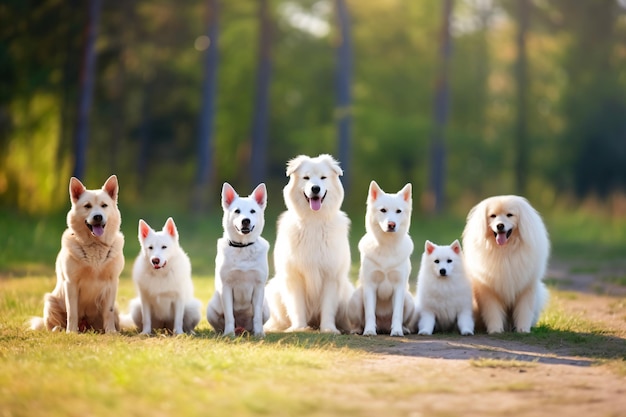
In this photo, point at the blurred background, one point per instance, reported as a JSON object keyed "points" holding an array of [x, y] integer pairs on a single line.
{"points": [[462, 98]]}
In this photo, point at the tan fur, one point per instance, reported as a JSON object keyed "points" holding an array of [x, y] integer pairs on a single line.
{"points": [[88, 266], [507, 277]]}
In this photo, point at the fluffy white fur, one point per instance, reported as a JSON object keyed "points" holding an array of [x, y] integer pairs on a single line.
{"points": [[506, 255], [311, 287], [162, 277], [241, 267], [89, 263], [382, 303], [444, 293]]}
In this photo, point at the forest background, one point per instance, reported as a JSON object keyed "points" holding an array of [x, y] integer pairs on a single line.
{"points": [[463, 99]]}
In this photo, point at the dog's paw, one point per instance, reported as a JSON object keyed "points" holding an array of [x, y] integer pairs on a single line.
{"points": [[467, 332], [396, 333], [523, 330], [425, 332], [293, 329], [369, 332], [330, 330]]}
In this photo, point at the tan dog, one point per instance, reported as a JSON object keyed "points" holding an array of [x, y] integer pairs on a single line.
{"points": [[89, 264]]}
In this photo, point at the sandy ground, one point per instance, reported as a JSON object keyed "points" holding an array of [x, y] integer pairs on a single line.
{"points": [[486, 376]]}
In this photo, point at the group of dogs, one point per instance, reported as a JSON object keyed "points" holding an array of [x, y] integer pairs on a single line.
{"points": [[492, 283]]}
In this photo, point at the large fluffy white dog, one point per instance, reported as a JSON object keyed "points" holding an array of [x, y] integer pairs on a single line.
{"points": [[312, 253], [506, 249], [382, 303]]}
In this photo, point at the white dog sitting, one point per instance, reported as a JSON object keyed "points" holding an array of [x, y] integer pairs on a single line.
{"points": [[444, 293], [311, 288], [383, 302], [241, 267], [162, 277]]}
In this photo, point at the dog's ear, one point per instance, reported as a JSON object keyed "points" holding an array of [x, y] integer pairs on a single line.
{"points": [[294, 164], [260, 195], [456, 247], [144, 230], [429, 247], [407, 192], [170, 228], [76, 189], [332, 163], [228, 195], [111, 187], [373, 191]]}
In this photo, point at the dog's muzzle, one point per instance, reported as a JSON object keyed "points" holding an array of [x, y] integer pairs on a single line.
{"points": [[156, 263], [96, 225], [245, 227], [315, 200], [502, 236]]}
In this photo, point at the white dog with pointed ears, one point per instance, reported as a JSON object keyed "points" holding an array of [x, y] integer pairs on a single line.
{"points": [[241, 266], [311, 288], [506, 255], [382, 303], [162, 277], [444, 293]]}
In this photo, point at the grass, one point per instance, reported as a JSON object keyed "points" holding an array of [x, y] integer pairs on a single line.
{"points": [[308, 374]]}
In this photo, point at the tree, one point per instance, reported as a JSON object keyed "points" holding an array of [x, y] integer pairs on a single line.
{"points": [[344, 83], [521, 81], [207, 112], [437, 144], [258, 154], [86, 89]]}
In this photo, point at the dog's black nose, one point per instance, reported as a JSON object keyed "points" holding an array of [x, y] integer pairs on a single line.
{"points": [[156, 261], [97, 218], [245, 222], [500, 227], [315, 189], [443, 272]]}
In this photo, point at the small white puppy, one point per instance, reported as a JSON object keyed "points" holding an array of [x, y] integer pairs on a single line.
{"points": [[382, 303], [311, 288], [444, 293], [241, 266], [162, 277]]}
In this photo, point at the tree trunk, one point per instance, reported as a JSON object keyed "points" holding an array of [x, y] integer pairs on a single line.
{"points": [[207, 114], [81, 137], [521, 80], [344, 84], [258, 154], [441, 110]]}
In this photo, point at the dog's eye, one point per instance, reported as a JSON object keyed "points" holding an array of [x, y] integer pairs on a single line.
{"points": [[509, 215], [436, 261], [104, 205], [383, 210], [449, 261], [88, 206], [323, 178], [306, 178], [150, 247], [237, 211], [398, 211], [493, 216], [163, 247], [253, 211]]}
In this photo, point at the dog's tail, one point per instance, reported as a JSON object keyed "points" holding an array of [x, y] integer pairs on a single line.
{"points": [[37, 323]]}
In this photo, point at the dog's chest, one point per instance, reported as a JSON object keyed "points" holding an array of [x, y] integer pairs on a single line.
{"points": [[243, 265]]}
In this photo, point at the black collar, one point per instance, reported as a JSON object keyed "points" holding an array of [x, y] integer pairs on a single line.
{"points": [[238, 244]]}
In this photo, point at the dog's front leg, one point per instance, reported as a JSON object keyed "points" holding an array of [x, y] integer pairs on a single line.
{"points": [[257, 309], [369, 309], [146, 316], [179, 313], [108, 310], [397, 315], [71, 306], [229, 315], [295, 304], [330, 306], [524, 310]]}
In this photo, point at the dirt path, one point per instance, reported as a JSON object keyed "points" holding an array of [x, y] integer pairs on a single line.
{"points": [[487, 376]]}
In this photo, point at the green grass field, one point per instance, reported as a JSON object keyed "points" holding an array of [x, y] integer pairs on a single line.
{"points": [[305, 374]]}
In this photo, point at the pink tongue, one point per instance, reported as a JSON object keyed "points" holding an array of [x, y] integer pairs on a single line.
{"points": [[501, 239], [98, 230], [315, 204]]}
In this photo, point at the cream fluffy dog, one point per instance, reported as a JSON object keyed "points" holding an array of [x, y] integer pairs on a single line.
{"points": [[311, 287], [89, 263], [382, 303], [506, 249]]}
